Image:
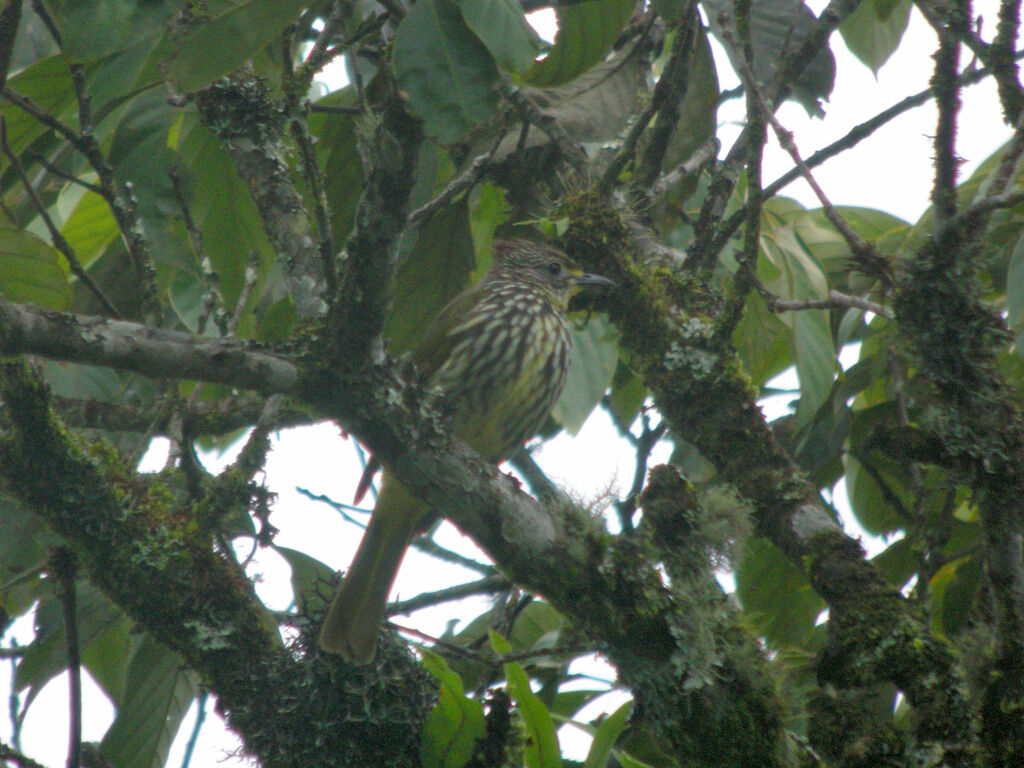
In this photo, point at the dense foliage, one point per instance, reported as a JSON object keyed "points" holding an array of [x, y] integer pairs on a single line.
{"points": [[200, 241]]}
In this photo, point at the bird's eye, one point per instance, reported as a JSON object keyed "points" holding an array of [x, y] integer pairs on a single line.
{"points": [[554, 268]]}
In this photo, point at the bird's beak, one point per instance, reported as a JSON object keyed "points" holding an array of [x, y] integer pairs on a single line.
{"points": [[595, 280]]}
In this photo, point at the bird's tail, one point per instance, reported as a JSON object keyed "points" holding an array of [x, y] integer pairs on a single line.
{"points": [[354, 619]]}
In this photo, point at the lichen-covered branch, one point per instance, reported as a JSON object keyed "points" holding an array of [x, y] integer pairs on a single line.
{"points": [[668, 327], [141, 546], [366, 275], [240, 111], [153, 352]]}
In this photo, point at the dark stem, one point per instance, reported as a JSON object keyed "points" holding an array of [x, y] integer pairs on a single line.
{"points": [[56, 237], [64, 566]]}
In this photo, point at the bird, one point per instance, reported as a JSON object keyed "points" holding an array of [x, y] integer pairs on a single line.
{"points": [[497, 357]]}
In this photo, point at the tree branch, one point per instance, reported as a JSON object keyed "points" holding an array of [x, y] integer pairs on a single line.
{"points": [[835, 300], [683, 361], [63, 565], [10, 754], [366, 280], [56, 237], [153, 352], [240, 111]]}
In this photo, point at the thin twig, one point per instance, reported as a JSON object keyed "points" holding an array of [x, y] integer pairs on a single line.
{"points": [[213, 300], [669, 91], [970, 216], [336, 110], [64, 567], [947, 99], [949, 19], [835, 300], [9, 754], [863, 251], [320, 54], [193, 738], [577, 649], [700, 157], [853, 137], [459, 184], [252, 274], [122, 207], [1001, 50], [394, 9], [644, 444], [56, 237], [422, 543], [484, 586], [37, 158], [51, 26], [530, 112], [708, 238], [539, 482], [746, 274], [314, 177]]}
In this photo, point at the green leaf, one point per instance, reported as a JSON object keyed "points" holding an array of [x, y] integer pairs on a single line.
{"points": [[606, 736], [90, 228], [430, 274], [447, 74], [952, 592], [46, 657], [689, 460], [338, 155], [454, 725], [501, 26], [24, 549], [874, 30], [224, 211], [820, 443], [48, 84], [227, 38], [670, 9], [537, 626], [877, 490], [898, 562], [92, 29], [815, 357], [868, 501], [158, 692], [762, 341], [776, 595], [187, 293], [311, 579], [627, 396], [586, 32], [31, 270], [139, 153], [541, 749], [107, 658], [565, 704], [698, 110], [488, 210], [594, 357], [1015, 288], [787, 266], [777, 28]]}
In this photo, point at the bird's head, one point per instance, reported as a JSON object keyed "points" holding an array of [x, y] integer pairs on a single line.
{"points": [[544, 267]]}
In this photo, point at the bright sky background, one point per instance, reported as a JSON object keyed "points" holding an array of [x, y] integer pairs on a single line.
{"points": [[890, 171]]}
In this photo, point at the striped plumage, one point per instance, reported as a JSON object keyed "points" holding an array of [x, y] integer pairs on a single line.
{"points": [[498, 356]]}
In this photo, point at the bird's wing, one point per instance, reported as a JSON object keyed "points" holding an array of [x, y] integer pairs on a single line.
{"points": [[428, 356], [437, 342]]}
